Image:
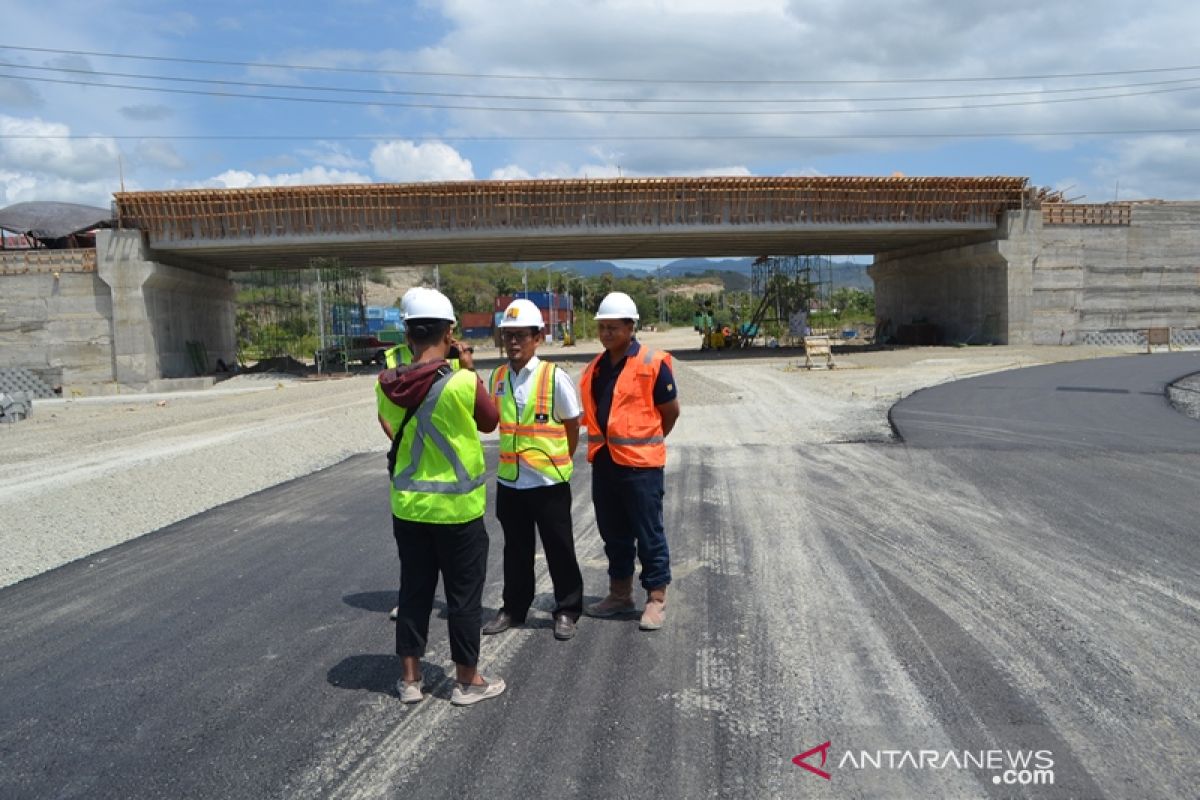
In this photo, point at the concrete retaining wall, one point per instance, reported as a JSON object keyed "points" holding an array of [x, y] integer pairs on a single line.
{"points": [[57, 326], [1051, 284], [127, 323], [1090, 279]]}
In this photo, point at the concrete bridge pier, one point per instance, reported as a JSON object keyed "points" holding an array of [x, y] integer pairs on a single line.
{"points": [[157, 309], [976, 289]]}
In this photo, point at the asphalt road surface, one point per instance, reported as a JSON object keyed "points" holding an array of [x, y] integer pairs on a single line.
{"points": [[1018, 578]]}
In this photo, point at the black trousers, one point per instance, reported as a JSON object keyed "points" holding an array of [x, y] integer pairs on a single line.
{"points": [[548, 509], [459, 553]]}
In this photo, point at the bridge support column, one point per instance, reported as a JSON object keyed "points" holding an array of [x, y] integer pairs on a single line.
{"points": [[157, 309], [972, 290]]}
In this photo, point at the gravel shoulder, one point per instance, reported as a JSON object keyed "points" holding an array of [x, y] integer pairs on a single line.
{"points": [[82, 475]]}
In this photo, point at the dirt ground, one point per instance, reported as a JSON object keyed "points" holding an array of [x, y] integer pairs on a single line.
{"points": [[82, 475]]}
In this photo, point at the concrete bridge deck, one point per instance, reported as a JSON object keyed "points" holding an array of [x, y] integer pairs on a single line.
{"points": [[475, 221]]}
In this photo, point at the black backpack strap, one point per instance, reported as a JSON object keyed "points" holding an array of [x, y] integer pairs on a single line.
{"points": [[442, 372]]}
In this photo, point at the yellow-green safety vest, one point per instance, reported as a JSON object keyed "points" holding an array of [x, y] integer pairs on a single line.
{"points": [[401, 354], [395, 356], [439, 474], [535, 439]]}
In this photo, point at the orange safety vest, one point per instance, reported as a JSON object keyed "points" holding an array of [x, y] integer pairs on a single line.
{"points": [[532, 437], [635, 434]]}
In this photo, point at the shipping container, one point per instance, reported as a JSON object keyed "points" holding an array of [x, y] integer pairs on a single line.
{"points": [[476, 319], [477, 333], [540, 299], [374, 312], [391, 314]]}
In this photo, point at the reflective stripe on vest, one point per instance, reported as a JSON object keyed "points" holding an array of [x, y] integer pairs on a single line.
{"points": [[453, 491], [635, 435], [534, 438]]}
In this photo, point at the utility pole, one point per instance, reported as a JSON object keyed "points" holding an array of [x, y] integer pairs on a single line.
{"points": [[320, 318], [662, 298], [550, 294], [437, 277]]}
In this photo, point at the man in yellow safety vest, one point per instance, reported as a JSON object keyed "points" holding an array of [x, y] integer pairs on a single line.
{"points": [[438, 496], [539, 429]]}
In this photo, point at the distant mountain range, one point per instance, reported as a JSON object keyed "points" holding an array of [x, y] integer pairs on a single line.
{"points": [[844, 273]]}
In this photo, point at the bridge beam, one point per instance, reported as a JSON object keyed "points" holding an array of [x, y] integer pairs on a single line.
{"points": [[157, 309]]}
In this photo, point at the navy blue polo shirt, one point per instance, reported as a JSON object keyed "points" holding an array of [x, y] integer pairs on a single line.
{"points": [[605, 380]]}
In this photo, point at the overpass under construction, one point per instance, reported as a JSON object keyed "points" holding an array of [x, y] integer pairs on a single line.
{"points": [[980, 259]]}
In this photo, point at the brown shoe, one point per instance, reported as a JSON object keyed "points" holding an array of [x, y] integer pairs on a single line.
{"points": [[655, 613], [502, 622], [619, 600]]}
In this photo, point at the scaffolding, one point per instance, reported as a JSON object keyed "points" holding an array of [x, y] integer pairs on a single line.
{"points": [[295, 313], [787, 288]]}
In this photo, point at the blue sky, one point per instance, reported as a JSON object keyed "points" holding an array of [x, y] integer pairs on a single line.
{"points": [[954, 80]]}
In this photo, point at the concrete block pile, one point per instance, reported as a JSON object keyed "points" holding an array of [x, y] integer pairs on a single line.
{"points": [[14, 407], [18, 388]]}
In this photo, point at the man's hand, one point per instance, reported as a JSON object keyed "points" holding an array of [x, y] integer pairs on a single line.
{"points": [[466, 354]]}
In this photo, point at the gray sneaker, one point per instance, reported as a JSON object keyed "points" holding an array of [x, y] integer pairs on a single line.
{"points": [[410, 691], [469, 695]]}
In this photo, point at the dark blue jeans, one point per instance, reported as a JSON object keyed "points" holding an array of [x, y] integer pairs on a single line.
{"points": [[629, 514]]}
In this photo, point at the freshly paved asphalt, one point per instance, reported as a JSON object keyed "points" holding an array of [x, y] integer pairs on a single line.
{"points": [[1021, 572], [1102, 404]]}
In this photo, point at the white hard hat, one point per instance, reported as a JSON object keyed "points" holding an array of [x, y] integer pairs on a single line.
{"points": [[522, 314], [428, 304], [617, 305], [408, 298]]}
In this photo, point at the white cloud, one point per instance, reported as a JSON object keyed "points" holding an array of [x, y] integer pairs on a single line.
{"points": [[159, 154], [664, 47], [37, 153], [333, 154], [431, 161], [1148, 167], [20, 187], [310, 176], [510, 172]]}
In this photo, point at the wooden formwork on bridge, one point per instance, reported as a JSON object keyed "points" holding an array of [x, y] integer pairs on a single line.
{"points": [[1086, 213], [217, 214]]}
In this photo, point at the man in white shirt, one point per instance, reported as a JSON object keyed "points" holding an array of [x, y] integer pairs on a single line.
{"points": [[539, 430]]}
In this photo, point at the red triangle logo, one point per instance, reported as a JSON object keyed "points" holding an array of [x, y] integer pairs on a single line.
{"points": [[823, 749]]}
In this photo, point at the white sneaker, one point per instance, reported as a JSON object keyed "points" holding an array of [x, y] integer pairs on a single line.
{"points": [[395, 612], [410, 691], [469, 695]]}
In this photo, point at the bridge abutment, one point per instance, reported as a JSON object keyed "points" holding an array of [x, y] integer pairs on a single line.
{"points": [[157, 309], [974, 289]]}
